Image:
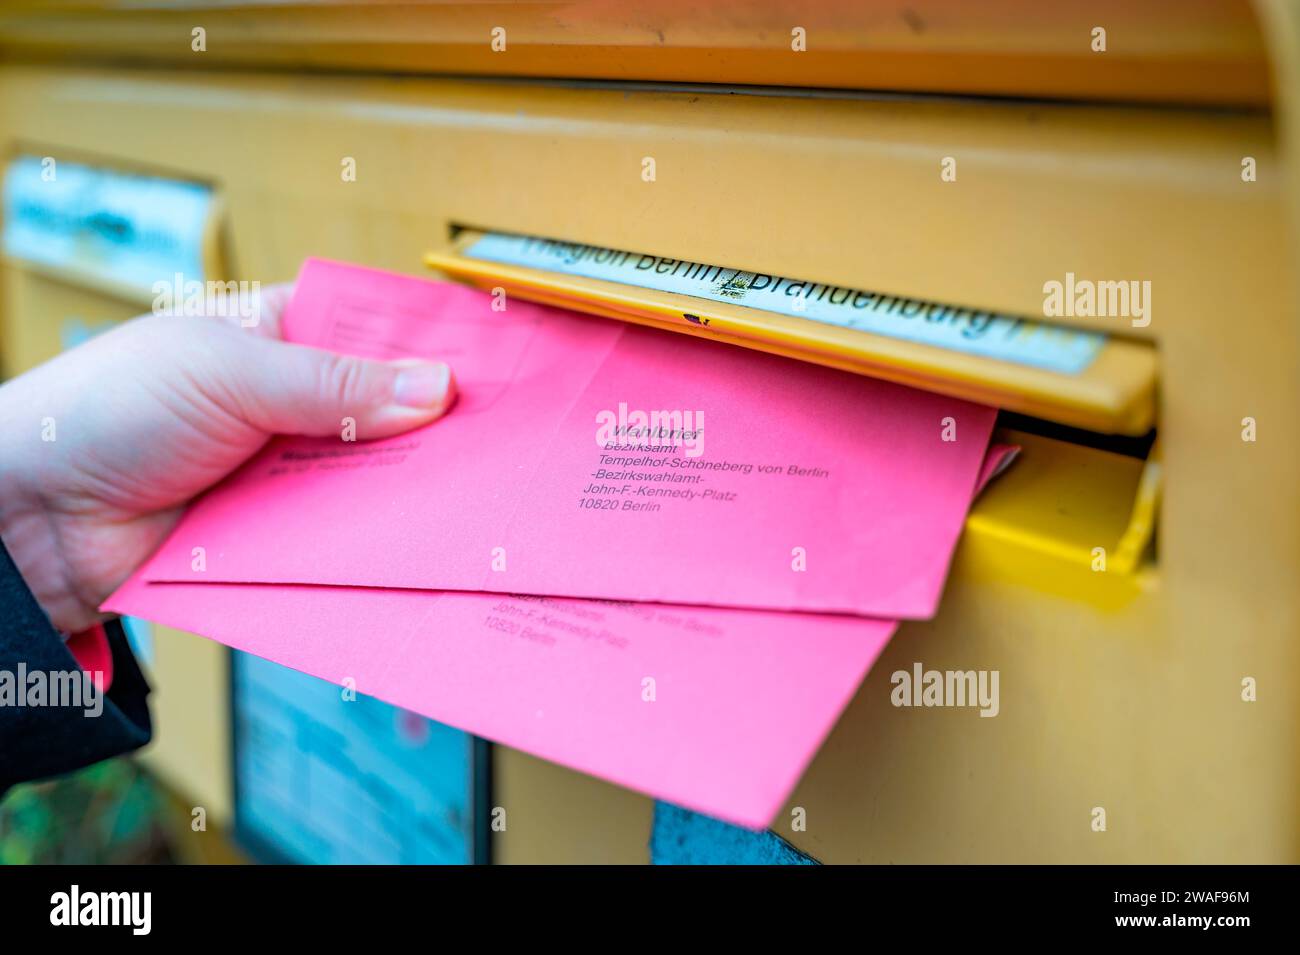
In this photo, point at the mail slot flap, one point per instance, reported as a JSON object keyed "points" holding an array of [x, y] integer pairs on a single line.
{"points": [[1077, 378], [1088, 508]]}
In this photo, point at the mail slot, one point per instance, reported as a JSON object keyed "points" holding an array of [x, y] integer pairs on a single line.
{"points": [[1124, 577], [1079, 378], [1090, 380]]}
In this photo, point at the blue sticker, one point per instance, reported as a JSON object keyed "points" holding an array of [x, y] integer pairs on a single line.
{"points": [[322, 777], [682, 837]]}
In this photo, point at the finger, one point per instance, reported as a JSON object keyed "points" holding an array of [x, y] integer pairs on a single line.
{"points": [[293, 389]]}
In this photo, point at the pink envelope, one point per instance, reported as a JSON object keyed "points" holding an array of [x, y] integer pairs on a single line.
{"points": [[812, 489], [741, 699]]}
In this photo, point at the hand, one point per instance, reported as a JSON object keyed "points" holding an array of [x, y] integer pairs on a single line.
{"points": [[103, 445]]}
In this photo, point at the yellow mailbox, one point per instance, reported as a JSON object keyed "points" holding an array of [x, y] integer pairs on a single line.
{"points": [[1132, 578]]}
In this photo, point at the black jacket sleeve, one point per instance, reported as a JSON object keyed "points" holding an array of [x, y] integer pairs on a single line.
{"points": [[44, 740]]}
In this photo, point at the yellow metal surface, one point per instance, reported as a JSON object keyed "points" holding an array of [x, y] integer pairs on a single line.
{"points": [[189, 703], [1189, 51], [40, 312], [556, 816], [1119, 690]]}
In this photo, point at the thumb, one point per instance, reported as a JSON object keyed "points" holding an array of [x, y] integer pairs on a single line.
{"points": [[294, 389]]}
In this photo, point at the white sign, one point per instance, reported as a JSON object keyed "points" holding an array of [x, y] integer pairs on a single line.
{"points": [[974, 332]]}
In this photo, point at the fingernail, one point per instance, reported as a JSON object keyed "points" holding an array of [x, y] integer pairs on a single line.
{"points": [[423, 386]]}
